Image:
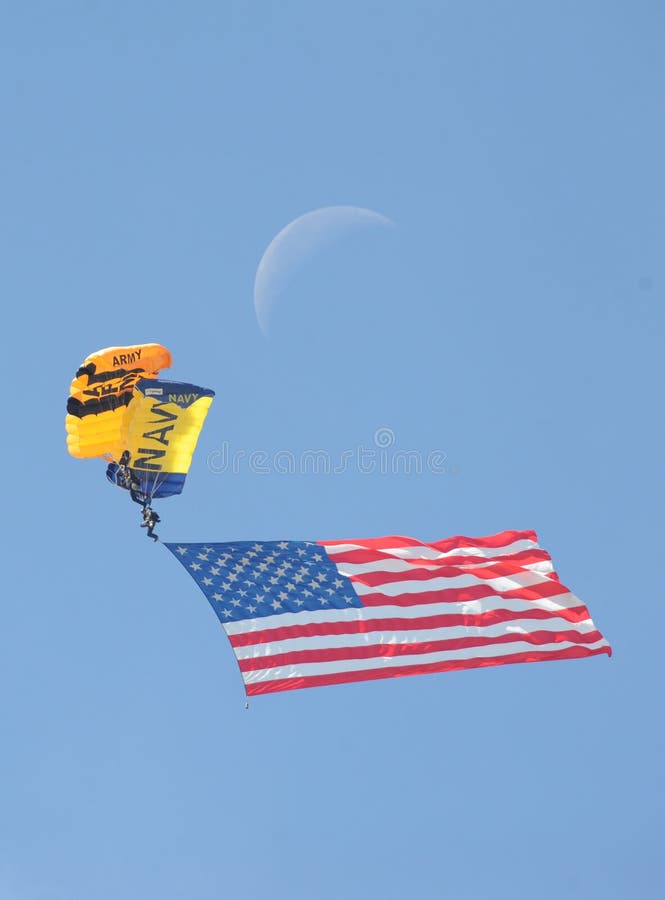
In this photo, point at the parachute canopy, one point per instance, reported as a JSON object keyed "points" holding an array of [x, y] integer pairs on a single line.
{"points": [[160, 432], [145, 428], [100, 394]]}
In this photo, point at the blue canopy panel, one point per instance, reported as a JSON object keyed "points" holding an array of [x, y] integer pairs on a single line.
{"points": [[166, 484]]}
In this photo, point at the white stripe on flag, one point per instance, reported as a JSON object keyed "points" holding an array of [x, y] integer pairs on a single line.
{"points": [[491, 603], [494, 651], [416, 636]]}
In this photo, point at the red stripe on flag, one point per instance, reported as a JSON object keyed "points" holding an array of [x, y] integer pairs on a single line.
{"points": [[287, 684], [492, 541], [378, 651], [366, 556], [496, 569], [542, 591], [368, 626]]}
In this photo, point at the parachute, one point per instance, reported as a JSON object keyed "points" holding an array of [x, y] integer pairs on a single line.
{"points": [[144, 427], [100, 394], [159, 435]]}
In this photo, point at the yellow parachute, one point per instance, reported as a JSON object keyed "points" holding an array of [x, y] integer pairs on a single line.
{"points": [[146, 428], [101, 393]]}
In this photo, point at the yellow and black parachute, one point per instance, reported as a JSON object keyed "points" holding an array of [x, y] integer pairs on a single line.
{"points": [[146, 428]]}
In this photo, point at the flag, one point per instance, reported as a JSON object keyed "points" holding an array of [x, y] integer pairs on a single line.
{"points": [[306, 613]]}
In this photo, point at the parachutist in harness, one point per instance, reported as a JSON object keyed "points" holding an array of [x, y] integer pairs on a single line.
{"points": [[129, 479], [150, 519], [135, 489]]}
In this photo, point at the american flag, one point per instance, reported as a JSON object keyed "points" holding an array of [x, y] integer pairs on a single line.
{"points": [[302, 613]]}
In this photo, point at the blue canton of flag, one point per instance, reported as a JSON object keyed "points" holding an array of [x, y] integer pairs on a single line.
{"points": [[248, 580]]}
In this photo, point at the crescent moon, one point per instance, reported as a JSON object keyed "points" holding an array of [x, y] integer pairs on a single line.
{"points": [[298, 240]]}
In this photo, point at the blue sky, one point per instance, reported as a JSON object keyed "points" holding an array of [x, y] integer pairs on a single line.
{"points": [[512, 320]]}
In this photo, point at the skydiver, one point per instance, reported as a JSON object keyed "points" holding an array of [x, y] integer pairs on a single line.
{"points": [[123, 478], [134, 486], [129, 479], [150, 519]]}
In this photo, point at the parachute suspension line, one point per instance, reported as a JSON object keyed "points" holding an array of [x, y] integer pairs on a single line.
{"points": [[155, 485]]}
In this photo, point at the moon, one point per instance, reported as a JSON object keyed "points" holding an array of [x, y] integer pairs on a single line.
{"points": [[297, 241]]}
